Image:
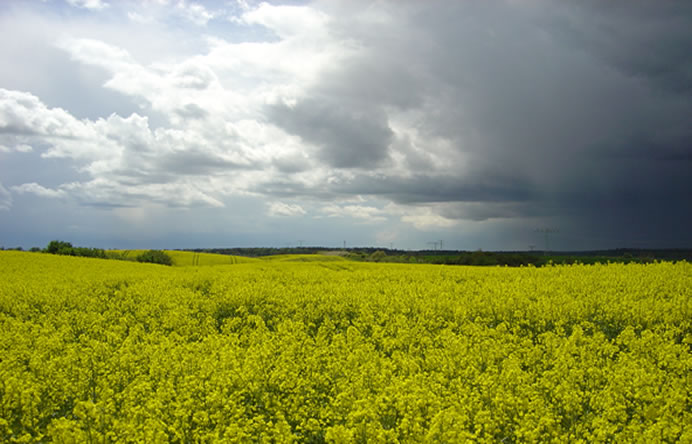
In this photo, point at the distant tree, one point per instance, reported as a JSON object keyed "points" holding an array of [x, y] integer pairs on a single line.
{"points": [[377, 256], [89, 252], [35, 249], [155, 257], [110, 254], [66, 249], [60, 247]]}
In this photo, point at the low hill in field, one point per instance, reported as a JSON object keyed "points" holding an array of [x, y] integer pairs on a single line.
{"points": [[186, 258]]}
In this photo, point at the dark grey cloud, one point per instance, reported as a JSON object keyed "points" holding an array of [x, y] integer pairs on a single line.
{"points": [[284, 186], [574, 113], [147, 168], [291, 164], [18, 168], [5, 199], [440, 188], [647, 40], [357, 137], [200, 162]]}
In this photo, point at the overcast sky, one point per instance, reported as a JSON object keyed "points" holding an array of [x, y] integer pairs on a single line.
{"points": [[181, 124]]}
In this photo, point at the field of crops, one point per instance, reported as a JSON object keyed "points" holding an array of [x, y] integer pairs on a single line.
{"points": [[187, 258], [335, 351], [302, 258]]}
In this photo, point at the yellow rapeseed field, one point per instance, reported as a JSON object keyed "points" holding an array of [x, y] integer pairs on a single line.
{"points": [[189, 258], [335, 351]]}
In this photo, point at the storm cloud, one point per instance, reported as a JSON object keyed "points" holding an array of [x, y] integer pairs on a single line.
{"points": [[345, 138]]}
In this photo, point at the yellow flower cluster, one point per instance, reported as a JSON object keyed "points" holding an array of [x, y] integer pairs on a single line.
{"points": [[334, 351]]}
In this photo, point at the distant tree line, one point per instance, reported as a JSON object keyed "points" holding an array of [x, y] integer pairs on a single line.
{"points": [[372, 254], [452, 257], [510, 259], [261, 251], [67, 249], [155, 257]]}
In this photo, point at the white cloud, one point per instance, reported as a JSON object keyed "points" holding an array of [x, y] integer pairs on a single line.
{"points": [[288, 21], [242, 4], [24, 114], [5, 198], [163, 11], [128, 161], [422, 217], [20, 148], [277, 209], [428, 220], [362, 212], [128, 76], [118, 193], [195, 12], [88, 4], [142, 19], [34, 188], [216, 141]]}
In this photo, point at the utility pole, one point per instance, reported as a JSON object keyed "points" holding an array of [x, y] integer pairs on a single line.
{"points": [[300, 243], [344, 245], [434, 244], [547, 232], [441, 241]]}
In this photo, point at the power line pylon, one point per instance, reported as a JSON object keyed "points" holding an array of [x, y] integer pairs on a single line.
{"points": [[547, 232]]}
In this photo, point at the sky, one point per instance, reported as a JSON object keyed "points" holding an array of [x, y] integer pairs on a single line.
{"points": [[182, 124]]}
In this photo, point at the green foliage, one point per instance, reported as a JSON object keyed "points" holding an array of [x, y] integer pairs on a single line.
{"points": [[301, 258], [117, 255], [58, 247], [155, 257], [488, 258], [66, 249], [377, 256]]}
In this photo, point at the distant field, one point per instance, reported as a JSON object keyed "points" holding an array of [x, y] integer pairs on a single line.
{"points": [[302, 258], [316, 349], [189, 258]]}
